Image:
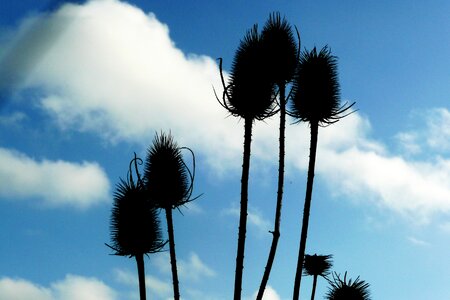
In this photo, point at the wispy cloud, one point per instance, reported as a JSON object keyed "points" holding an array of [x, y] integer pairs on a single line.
{"points": [[438, 129], [191, 269], [254, 218], [55, 183], [432, 136], [154, 285], [409, 143], [12, 119], [72, 287], [195, 269], [445, 227], [418, 242]]}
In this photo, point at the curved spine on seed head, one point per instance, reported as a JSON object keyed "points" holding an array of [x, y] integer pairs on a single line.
{"points": [[134, 224]]}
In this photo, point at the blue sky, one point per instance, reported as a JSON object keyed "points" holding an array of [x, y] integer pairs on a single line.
{"points": [[83, 85]]}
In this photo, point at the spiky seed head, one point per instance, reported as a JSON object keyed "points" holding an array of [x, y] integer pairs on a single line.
{"points": [[316, 88], [166, 175], [134, 223], [317, 265], [280, 49], [249, 94], [341, 289]]}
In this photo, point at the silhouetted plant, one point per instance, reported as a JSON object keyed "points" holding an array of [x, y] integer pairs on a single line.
{"points": [[169, 184], [248, 95], [134, 223], [281, 53], [341, 289], [315, 100], [317, 265]]}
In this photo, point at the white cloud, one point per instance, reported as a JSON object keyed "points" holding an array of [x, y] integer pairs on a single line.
{"points": [[193, 208], [199, 295], [254, 218], [418, 242], [56, 183], [445, 227], [13, 119], [76, 287], [438, 129], [72, 287], [20, 289], [195, 268], [109, 68], [126, 277], [269, 294], [114, 70], [160, 287], [409, 143], [192, 269], [153, 285], [433, 135], [416, 190]]}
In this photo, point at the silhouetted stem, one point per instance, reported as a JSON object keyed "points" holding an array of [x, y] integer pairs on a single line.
{"points": [[306, 209], [243, 212], [276, 230], [313, 293], [173, 258], [141, 274]]}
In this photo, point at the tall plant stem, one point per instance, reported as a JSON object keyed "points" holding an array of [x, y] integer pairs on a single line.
{"points": [[276, 230], [313, 292], [243, 212], [141, 274], [307, 208], [173, 258]]}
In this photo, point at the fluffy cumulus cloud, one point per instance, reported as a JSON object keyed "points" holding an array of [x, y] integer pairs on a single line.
{"points": [[72, 287], [110, 68], [56, 183], [269, 294], [415, 189], [367, 171]]}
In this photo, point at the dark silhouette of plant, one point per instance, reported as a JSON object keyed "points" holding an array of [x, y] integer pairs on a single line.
{"points": [[281, 53], [317, 265], [315, 100], [169, 184], [134, 223], [248, 95], [341, 289]]}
